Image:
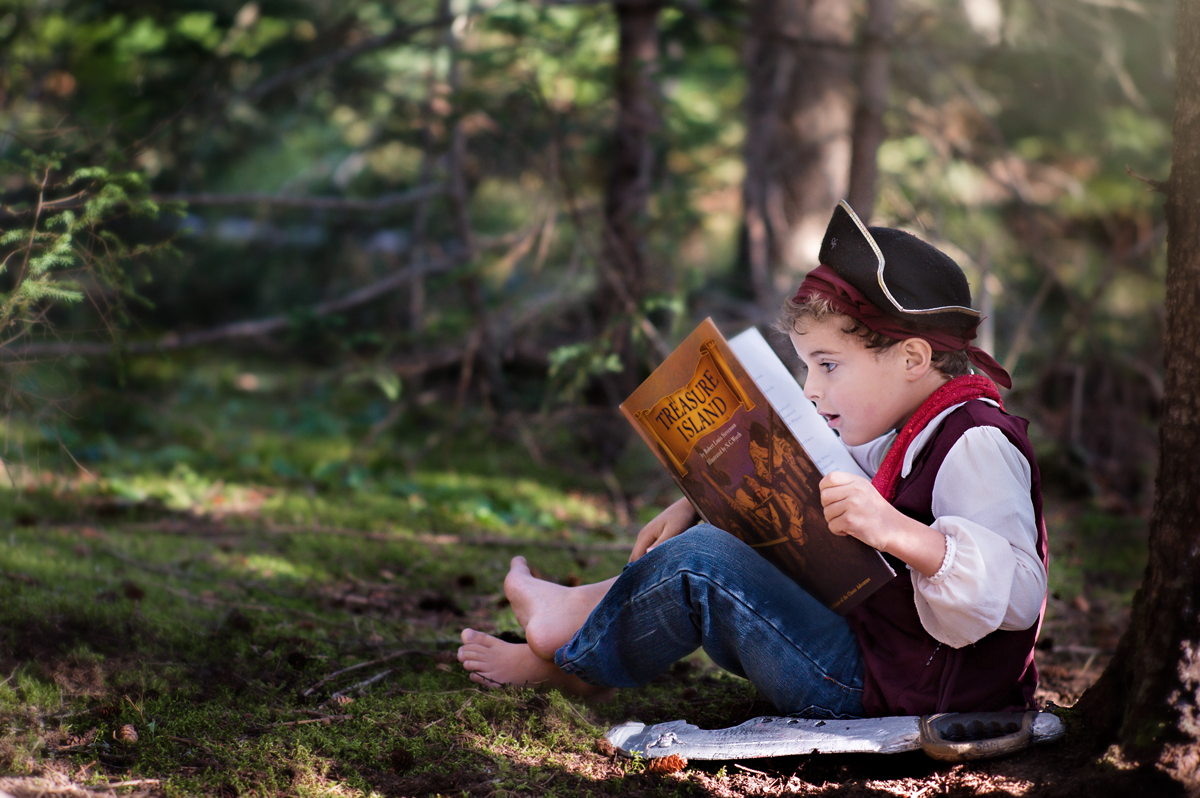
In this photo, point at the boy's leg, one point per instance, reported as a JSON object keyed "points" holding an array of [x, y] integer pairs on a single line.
{"points": [[491, 662], [549, 613], [707, 588]]}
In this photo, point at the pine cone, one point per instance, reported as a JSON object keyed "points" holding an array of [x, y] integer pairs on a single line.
{"points": [[666, 764]]}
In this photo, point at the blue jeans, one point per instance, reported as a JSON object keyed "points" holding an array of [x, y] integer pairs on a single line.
{"points": [[707, 588]]}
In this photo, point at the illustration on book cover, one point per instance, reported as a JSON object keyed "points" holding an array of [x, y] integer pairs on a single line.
{"points": [[742, 467]]}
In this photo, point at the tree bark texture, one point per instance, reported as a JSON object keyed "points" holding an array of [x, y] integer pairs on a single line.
{"points": [[874, 78], [1150, 693], [630, 179], [797, 150], [632, 160]]}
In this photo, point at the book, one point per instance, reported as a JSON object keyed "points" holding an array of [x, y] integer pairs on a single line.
{"points": [[734, 430]]}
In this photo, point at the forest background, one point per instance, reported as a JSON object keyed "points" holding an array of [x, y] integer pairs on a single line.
{"points": [[386, 269]]}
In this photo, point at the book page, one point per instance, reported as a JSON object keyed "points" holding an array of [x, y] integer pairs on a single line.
{"points": [[787, 397]]}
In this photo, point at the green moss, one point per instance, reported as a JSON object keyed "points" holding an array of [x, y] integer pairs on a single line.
{"points": [[230, 557]]}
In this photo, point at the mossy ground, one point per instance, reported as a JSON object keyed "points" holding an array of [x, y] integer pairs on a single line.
{"points": [[220, 579]]}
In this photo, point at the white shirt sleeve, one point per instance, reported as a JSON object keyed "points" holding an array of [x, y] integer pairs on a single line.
{"points": [[991, 576]]}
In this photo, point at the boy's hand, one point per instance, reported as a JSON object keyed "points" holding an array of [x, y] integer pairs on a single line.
{"points": [[853, 507], [674, 520]]}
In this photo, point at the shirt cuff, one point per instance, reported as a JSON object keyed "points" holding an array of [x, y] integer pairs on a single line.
{"points": [[947, 560]]}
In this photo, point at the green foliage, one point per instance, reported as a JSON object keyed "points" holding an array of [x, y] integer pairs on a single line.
{"points": [[573, 367], [66, 238], [59, 239]]}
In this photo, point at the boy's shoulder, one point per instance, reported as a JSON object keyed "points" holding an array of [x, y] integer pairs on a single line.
{"points": [[982, 413]]}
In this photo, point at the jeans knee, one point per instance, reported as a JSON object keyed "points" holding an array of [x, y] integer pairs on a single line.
{"points": [[704, 548]]}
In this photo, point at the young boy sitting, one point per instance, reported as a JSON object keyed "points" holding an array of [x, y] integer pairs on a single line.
{"points": [[883, 327]]}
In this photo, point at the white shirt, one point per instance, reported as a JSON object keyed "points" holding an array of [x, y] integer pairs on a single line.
{"points": [[991, 575]]}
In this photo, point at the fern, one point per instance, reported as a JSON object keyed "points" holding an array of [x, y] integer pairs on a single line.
{"points": [[61, 248]]}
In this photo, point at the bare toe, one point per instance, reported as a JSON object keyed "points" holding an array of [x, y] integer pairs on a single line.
{"points": [[491, 662]]}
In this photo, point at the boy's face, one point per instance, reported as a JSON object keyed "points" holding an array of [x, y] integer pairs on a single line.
{"points": [[862, 393]]}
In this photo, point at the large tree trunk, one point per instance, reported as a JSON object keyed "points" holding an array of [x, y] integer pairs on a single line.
{"points": [[873, 82], [1149, 696], [624, 272], [624, 280], [632, 159], [797, 152]]}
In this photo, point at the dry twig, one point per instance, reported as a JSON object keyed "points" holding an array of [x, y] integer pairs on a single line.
{"points": [[386, 658]]}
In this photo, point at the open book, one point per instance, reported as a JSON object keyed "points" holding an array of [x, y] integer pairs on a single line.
{"points": [[734, 430]]}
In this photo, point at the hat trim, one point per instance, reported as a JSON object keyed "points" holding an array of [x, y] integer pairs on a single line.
{"points": [[862, 228]]}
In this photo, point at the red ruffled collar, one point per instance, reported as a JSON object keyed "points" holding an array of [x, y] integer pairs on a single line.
{"points": [[955, 392]]}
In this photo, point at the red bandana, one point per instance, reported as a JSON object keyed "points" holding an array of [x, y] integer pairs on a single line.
{"points": [[824, 282], [957, 391]]}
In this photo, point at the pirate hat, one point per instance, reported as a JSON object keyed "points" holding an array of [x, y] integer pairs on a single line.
{"points": [[899, 273]]}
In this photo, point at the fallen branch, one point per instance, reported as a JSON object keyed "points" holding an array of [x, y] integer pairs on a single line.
{"points": [[242, 329], [380, 204], [196, 743], [322, 719], [341, 694], [436, 539], [262, 327], [367, 664], [453, 540]]}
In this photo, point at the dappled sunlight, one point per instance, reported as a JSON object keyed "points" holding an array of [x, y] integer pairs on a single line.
{"points": [[314, 315], [271, 567]]}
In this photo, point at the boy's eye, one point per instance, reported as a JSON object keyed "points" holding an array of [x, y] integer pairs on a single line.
{"points": [[828, 367]]}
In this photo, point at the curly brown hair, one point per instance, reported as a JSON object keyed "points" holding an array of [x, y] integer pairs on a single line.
{"points": [[816, 309]]}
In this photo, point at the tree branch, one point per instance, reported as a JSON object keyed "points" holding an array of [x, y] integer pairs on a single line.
{"points": [[340, 56], [1155, 185], [376, 205], [239, 329]]}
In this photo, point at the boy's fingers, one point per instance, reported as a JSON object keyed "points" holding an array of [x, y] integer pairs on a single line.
{"points": [[835, 493], [834, 508], [836, 478]]}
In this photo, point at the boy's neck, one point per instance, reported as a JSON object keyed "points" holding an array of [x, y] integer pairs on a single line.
{"points": [[920, 391]]}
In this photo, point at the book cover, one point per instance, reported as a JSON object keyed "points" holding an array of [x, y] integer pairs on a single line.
{"points": [[737, 458]]}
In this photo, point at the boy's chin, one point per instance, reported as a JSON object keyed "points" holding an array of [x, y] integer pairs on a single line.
{"points": [[850, 439]]}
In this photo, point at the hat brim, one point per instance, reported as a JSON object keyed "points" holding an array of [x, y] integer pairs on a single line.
{"points": [[923, 285]]}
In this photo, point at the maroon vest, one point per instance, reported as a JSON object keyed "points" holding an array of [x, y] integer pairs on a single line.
{"points": [[908, 672]]}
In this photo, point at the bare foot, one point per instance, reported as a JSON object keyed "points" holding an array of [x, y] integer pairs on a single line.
{"points": [[550, 614], [492, 662]]}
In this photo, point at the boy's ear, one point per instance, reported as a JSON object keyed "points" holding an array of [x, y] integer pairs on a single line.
{"points": [[918, 357]]}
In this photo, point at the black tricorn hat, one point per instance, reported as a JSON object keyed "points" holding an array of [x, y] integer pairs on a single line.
{"points": [[902, 275]]}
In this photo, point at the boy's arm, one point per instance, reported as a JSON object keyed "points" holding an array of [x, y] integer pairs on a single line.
{"points": [[674, 520], [986, 572], [854, 507], [996, 577]]}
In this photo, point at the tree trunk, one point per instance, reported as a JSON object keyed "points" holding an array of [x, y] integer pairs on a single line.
{"points": [[797, 151], [873, 82], [615, 306], [632, 160], [624, 282], [1149, 696]]}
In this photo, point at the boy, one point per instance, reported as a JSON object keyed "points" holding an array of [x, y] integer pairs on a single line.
{"points": [[883, 327]]}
